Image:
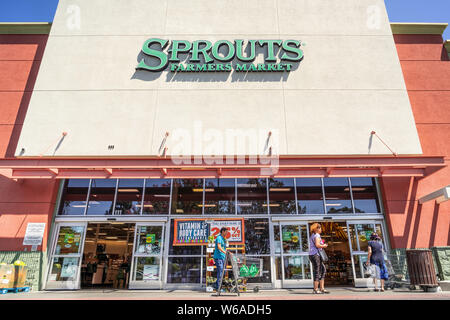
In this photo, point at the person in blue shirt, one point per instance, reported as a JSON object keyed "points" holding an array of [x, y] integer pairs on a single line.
{"points": [[220, 252]]}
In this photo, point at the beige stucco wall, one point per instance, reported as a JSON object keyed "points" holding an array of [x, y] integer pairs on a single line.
{"points": [[349, 83]]}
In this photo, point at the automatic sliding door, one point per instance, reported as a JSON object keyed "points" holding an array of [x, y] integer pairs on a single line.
{"points": [[64, 266], [147, 257], [359, 236], [296, 268]]}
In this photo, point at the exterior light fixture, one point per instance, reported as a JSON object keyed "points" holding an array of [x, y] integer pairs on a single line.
{"points": [[440, 196]]}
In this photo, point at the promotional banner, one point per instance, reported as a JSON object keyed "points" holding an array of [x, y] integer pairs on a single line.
{"points": [[191, 232], [235, 228]]}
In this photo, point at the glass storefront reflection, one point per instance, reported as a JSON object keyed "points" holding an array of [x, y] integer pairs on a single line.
{"points": [[129, 196], [337, 195], [365, 195], [74, 197], [282, 196], [183, 270], [309, 196], [297, 268], [220, 196], [187, 196], [157, 196], [257, 240], [252, 196], [101, 197]]}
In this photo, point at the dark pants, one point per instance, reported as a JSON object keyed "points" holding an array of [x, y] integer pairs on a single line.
{"points": [[219, 268], [318, 267]]}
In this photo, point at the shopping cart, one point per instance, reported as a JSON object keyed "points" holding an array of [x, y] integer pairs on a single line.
{"points": [[397, 270], [243, 268]]}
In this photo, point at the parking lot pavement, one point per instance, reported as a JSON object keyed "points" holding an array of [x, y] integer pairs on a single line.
{"points": [[285, 294]]}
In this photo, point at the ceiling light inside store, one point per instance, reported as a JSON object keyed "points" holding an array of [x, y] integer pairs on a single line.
{"points": [[79, 206], [102, 234], [334, 204], [245, 204], [207, 205], [355, 189], [280, 189], [128, 190], [179, 211], [271, 205], [111, 238], [259, 228]]}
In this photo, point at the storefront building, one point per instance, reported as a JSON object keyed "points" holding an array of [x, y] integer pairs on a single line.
{"points": [[264, 117]]}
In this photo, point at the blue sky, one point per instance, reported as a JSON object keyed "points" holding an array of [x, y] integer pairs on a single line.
{"points": [[398, 10]]}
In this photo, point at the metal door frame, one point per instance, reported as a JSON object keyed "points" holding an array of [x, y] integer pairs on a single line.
{"points": [[291, 283], [362, 282], [76, 282], [151, 284]]}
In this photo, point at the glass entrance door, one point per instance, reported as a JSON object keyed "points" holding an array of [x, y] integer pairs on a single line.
{"points": [[359, 235], [147, 256], [295, 265], [64, 266]]}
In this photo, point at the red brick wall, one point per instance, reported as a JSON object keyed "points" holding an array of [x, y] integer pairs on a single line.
{"points": [[426, 69], [21, 201]]}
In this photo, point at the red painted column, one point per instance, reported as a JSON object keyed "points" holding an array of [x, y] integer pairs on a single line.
{"points": [[426, 69], [21, 201]]}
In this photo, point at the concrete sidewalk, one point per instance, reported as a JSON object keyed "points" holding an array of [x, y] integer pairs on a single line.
{"points": [[285, 294]]}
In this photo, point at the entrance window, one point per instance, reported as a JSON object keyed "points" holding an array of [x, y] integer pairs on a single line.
{"points": [[282, 196], [297, 268], [157, 196], [187, 196], [337, 195], [220, 196], [295, 239], [309, 196], [147, 269], [75, 196], [184, 270], [252, 196], [182, 250], [64, 266], [102, 196], [129, 196], [365, 195], [257, 236]]}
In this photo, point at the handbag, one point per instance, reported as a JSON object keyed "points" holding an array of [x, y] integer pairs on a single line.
{"points": [[323, 255]]}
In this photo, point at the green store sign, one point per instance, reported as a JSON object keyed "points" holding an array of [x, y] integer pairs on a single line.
{"points": [[214, 62]]}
